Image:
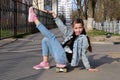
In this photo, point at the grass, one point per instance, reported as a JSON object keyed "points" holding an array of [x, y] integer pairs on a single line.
{"points": [[95, 32], [9, 33], [6, 33]]}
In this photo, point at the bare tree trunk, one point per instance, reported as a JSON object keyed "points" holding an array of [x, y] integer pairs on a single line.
{"points": [[81, 10], [86, 12], [89, 24], [90, 16], [100, 11]]}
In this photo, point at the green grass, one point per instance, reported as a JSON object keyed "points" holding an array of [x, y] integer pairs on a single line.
{"points": [[6, 33], [9, 33], [95, 32]]}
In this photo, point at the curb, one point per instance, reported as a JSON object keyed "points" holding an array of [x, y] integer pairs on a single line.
{"points": [[112, 43]]}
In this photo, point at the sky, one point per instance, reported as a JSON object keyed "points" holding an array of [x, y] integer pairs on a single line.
{"points": [[74, 5]]}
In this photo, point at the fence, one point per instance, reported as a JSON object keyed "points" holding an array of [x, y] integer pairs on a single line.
{"points": [[110, 27], [13, 18]]}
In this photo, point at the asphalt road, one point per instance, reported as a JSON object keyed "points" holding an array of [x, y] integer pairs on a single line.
{"points": [[17, 56]]}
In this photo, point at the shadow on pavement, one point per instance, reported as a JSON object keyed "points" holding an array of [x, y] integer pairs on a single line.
{"points": [[116, 42], [102, 60], [8, 43]]}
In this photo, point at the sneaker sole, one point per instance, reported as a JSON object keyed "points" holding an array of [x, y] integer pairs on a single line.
{"points": [[29, 19], [41, 68]]}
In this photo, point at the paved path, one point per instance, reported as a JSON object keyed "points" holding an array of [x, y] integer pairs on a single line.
{"points": [[18, 56]]}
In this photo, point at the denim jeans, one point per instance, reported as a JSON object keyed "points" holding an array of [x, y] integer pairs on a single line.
{"points": [[52, 45]]}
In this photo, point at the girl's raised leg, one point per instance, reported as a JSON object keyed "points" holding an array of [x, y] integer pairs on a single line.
{"points": [[57, 49]]}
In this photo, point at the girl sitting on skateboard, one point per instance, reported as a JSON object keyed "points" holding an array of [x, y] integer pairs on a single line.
{"points": [[74, 46], [76, 42]]}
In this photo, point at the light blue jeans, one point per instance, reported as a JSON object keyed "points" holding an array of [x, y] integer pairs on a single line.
{"points": [[50, 44]]}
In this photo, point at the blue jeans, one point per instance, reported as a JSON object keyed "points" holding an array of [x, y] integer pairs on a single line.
{"points": [[50, 44]]}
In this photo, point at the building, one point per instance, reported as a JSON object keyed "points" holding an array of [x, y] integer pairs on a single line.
{"points": [[65, 8], [61, 7], [51, 5]]}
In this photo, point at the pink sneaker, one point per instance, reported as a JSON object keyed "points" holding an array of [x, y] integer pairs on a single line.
{"points": [[42, 65], [60, 65], [31, 16]]}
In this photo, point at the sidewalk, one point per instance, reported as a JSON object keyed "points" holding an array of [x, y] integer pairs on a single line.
{"points": [[17, 56]]}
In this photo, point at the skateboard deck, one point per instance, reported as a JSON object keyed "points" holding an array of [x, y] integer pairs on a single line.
{"points": [[61, 69]]}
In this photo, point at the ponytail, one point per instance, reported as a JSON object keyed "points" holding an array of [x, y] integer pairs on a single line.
{"points": [[89, 47]]}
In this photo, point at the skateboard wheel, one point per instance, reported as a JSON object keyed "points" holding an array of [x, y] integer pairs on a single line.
{"points": [[64, 70], [61, 69], [57, 70]]}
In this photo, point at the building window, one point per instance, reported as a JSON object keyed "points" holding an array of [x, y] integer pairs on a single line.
{"points": [[48, 5]]}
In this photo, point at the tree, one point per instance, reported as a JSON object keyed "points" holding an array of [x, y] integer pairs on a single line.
{"points": [[90, 15], [107, 10], [85, 10], [98, 10], [81, 8]]}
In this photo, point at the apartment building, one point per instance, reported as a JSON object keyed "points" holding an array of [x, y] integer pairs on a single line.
{"points": [[65, 8], [51, 5]]}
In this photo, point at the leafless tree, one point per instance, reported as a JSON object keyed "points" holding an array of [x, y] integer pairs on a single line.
{"points": [[85, 11], [98, 10], [107, 10]]}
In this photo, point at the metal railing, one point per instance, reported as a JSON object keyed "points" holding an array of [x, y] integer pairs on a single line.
{"points": [[14, 19]]}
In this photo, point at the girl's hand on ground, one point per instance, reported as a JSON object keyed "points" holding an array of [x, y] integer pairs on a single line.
{"points": [[92, 70]]}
